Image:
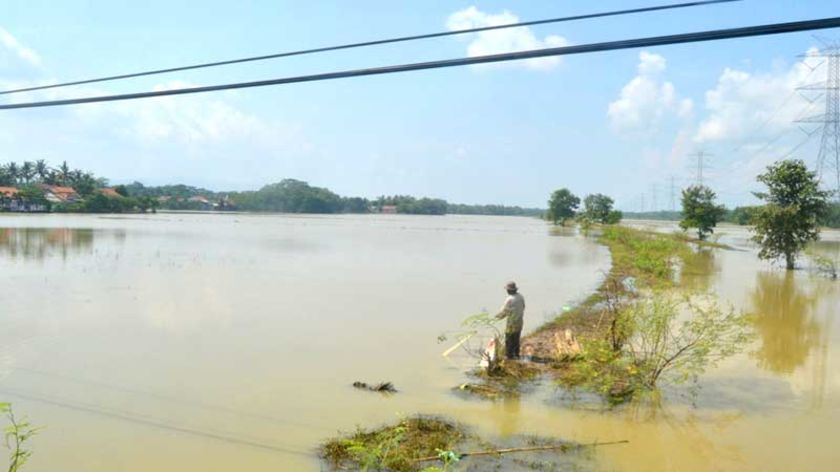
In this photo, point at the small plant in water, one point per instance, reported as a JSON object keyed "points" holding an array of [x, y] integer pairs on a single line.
{"points": [[16, 435]]}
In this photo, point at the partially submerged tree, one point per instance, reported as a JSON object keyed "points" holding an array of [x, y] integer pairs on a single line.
{"points": [[682, 337], [700, 211], [562, 206], [599, 208], [794, 206]]}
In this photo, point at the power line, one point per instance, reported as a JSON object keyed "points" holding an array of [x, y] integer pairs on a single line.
{"points": [[713, 35], [154, 422], [372, 43], [776, 111]]}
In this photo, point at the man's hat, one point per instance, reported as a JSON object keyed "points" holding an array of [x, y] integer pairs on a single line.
{"points": [[511, 286]]}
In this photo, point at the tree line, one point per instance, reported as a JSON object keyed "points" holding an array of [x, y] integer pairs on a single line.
{"points": [[286, 196], [33, 180], [793, 210], [296, 196]]}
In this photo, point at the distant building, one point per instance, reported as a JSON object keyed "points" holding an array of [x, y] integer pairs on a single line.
{"points": [[389, 209], [202, 202], [8, 199], [58, 194], [109, 192]]}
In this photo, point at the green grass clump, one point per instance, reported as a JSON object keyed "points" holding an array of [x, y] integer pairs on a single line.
{"points": [[647, 257], [393, 447]]}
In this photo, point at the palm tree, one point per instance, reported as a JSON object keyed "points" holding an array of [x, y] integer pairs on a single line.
{"points": [[14, 172], [64, 172], [41, 169], [27, 170], [5, 177]]}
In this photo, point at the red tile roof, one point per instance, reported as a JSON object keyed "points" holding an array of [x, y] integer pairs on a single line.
{"points": [[60, 190], [8, 191], [109, 192]]}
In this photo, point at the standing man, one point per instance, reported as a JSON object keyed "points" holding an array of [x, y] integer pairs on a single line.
{"points": [[514, 310]]}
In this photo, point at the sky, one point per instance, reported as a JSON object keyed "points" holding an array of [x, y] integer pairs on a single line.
{"points": [[624, 123]]}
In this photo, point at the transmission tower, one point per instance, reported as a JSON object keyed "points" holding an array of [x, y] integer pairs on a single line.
{"points": [[673, 195], [701, 165], [828, 159]]}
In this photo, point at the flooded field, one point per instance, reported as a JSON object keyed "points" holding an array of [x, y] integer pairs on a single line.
{"points": [[229, 342]]}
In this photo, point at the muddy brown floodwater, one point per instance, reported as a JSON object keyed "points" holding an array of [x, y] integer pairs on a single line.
{"points": [[230, 342]]}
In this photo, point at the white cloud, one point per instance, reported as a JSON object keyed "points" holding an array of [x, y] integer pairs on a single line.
{"points": [[12, 45], [756, 106], [504, 40], [647, 100]]}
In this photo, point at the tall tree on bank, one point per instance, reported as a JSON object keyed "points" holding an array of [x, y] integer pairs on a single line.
{"points": [[794, 205], [562, 206], [700, 211], [599, 207]]}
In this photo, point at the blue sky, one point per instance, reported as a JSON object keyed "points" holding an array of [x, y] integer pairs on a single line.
{"points": [[621, 123]]}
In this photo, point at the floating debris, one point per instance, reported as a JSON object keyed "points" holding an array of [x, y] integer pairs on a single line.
{"points": [[382, 387]]}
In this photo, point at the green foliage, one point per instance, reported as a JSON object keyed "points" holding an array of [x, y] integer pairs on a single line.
{"points": [[395, 447], [744, 215], [462, 209], [562, 206], [682, 337], [122, 190], [289, 196], [794, 207], [413, 206], [33, 195], [700, 211], [647, 257], [670, 338], [599, 208], [16, 435], [832, 216]]}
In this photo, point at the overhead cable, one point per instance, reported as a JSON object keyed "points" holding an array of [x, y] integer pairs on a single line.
{"points": [[743, 32], [370, 43]]}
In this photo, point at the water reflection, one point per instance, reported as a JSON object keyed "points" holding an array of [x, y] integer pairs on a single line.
{"points": [[41, 243], [785, 321], [698, 270]]}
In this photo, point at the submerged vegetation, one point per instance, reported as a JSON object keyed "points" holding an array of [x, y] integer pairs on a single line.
{"points": [[16, 436], [435, 444], [394, 447], [640, 327]]}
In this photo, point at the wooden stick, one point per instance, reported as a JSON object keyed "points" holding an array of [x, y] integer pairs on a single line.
{"points": [[526, 449], [456, 346]]}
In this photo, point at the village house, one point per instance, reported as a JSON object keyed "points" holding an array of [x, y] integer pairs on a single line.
{"points": [[389, 209], [109, 192], [202, 201], [58, 194], [8, 199]]}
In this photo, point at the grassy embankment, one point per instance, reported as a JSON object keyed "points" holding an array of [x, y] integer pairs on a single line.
{"points": [[640, 296], [640, 261]]}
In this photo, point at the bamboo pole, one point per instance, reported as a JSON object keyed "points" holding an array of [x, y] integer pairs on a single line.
{"points": [[526, 449]]}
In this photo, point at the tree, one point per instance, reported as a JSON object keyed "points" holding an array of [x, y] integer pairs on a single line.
{"points": [[700, 211], [64, 172], [13, 172], [599, 208], [27, 171], [794, 207], [562, 206], [41, 169], [122, 190]]}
